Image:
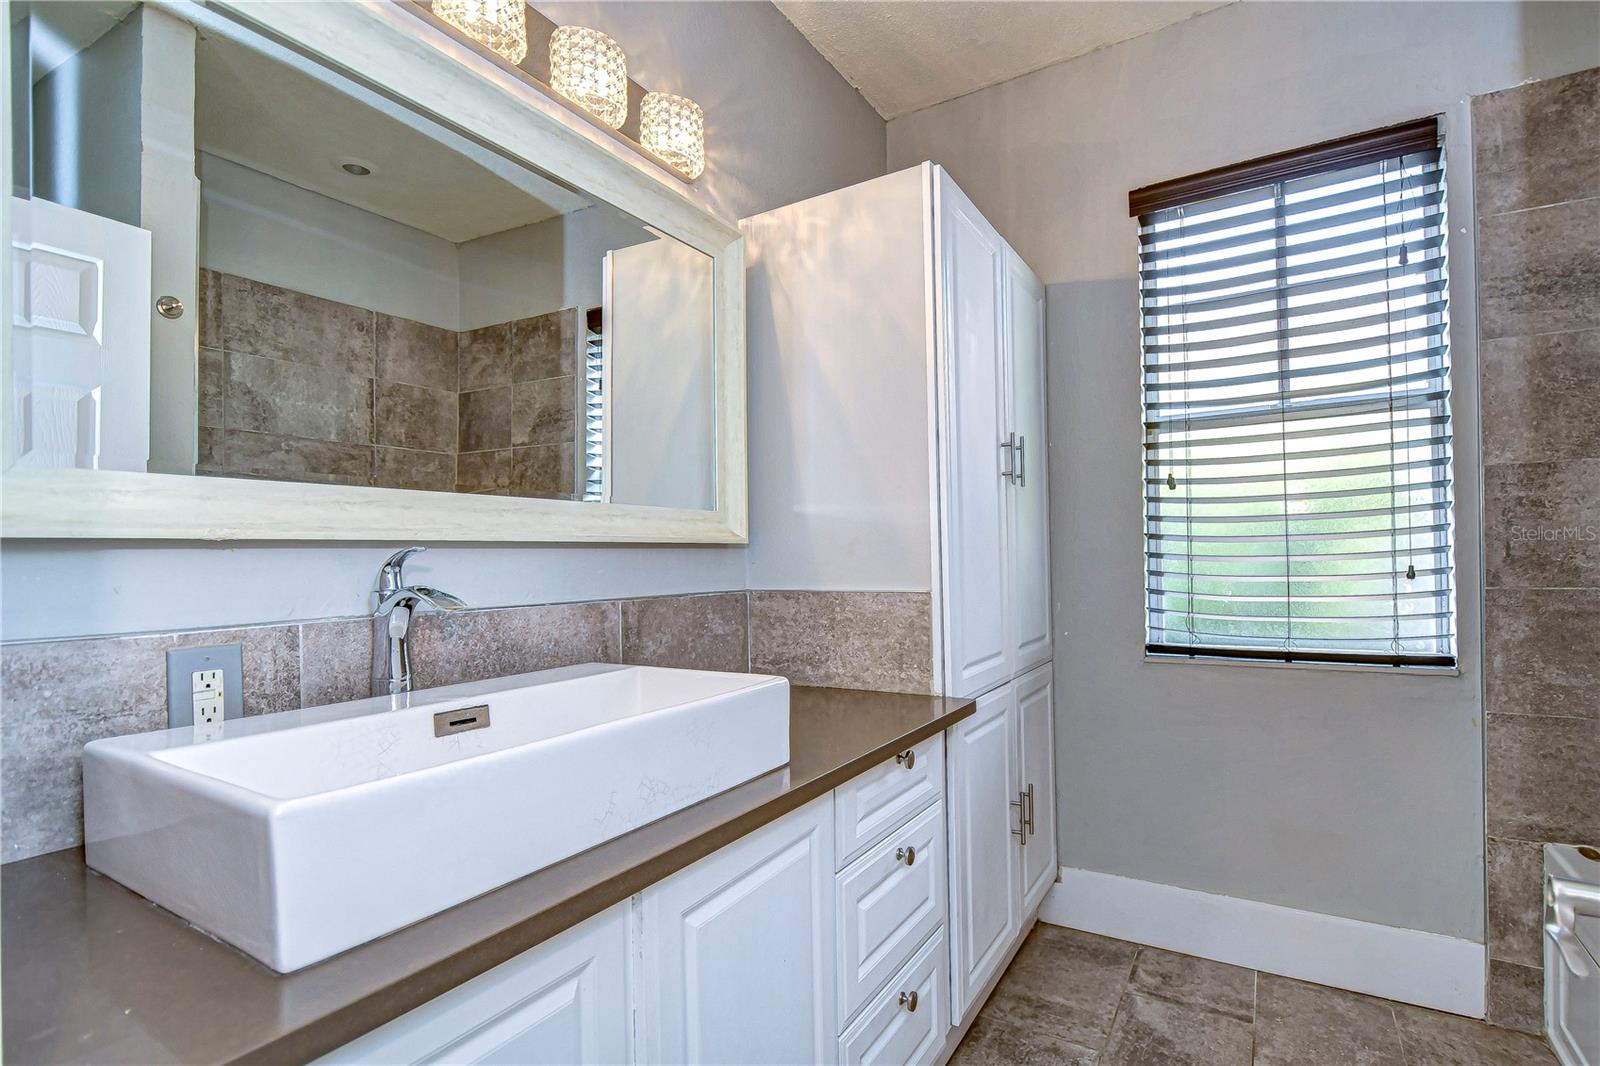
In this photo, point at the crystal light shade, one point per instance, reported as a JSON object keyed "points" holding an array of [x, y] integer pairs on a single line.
{"points": [[498, 24], [588, 68], [674, 128]]}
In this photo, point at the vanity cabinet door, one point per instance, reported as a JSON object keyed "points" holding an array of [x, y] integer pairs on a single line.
{"points": [[738, 951], [1035, 711], [1028, 527], [565, 1001], [985, 869], [973, 464]]}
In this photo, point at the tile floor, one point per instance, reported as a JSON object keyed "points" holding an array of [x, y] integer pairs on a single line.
{"points": [[1083, 1000]]}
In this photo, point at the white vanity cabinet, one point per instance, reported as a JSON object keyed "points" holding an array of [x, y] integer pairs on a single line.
{"points": [[857, 928], [1002, 829], [737, 951], [566, 1001]]}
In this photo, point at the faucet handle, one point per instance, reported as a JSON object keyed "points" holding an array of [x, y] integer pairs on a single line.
{"points": [[389, 574]]}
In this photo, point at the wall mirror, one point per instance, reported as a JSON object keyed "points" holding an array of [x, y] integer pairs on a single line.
{"points": [[319, 270]]}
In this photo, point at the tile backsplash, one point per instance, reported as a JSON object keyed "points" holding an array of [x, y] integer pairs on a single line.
{"points": [[881, 640], [60, 694], [297, 387]]}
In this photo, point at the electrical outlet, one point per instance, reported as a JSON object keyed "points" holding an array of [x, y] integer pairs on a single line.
{"points": [[208, 682], [210, 694], [205, 686]]}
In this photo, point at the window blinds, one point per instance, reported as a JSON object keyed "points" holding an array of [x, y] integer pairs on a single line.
{"points": [[1297, 420], [594, 414]]}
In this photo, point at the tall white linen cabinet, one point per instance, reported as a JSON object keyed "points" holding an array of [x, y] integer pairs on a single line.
{"points": [[898, 442]]}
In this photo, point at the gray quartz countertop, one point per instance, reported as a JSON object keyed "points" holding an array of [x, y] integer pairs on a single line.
{"points": [[93, 972]]}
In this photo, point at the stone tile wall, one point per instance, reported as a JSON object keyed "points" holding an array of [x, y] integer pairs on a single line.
{"points": [[299, 388], [1536, 155], [60, 694], [878, 640]]}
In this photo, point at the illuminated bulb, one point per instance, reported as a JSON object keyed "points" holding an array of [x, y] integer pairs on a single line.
{"points": [[588, 68], [674, 128], [498, 24]]}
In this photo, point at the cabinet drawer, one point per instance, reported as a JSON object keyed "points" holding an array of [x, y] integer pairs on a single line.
{"points": [[889, 900], [868, 807], [899, 1032]]}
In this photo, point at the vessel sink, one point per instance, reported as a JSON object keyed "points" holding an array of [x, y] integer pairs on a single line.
{"points": [[295, 836]]}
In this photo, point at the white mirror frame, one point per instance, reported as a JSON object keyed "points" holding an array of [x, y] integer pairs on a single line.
{"points": [[388, 47]]}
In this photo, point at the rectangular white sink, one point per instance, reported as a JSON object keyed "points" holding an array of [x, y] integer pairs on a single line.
{"points": [[295, 836]]}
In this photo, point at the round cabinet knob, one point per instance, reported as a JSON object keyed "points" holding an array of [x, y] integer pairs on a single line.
{"points": [[170, 307], [907, 758], [906, 855], [908, 1000]]}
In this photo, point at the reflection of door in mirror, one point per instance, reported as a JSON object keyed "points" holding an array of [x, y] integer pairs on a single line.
{"points": [[377, 300], [81, 374]]}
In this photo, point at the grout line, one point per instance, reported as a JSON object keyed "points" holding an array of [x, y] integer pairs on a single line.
{"points": [[1255, 1015], [1398, 1035], [1536, 207], [1127, 987], [1537, 714]]}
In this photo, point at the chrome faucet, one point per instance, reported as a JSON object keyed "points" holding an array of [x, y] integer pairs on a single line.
{"points": [[391, 668]]}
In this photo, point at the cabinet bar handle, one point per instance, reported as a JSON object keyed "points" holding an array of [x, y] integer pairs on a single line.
{"points": [[1021, 829], [1028, 810], [908, 1000], [1008, 446], [907, 855], [907, 758], [1022, 462]]}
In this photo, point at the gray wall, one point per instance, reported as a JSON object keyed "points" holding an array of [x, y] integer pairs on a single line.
{"points": [[1355, 793], [781, 125]]}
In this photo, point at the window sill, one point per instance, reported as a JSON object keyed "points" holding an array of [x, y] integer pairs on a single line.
{"points": [[1365, 668]]}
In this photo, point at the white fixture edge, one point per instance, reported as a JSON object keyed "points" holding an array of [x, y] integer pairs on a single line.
{"points": [[1407, 965]]}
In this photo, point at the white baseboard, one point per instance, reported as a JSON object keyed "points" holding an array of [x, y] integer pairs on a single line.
{"points": [[1407, 965]]}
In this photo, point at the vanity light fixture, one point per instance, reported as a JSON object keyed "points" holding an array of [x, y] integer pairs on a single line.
{"points": [[674, 128], [588, 68], [498, 24]]}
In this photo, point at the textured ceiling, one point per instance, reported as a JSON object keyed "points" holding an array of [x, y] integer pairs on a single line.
{"points": [[905, 55]]}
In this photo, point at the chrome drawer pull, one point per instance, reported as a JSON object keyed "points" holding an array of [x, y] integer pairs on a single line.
{"points": [[906, 855], [907, 758], [908, 1000]]}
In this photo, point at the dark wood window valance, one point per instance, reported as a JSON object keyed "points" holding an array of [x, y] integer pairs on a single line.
{"points": [[1391, 141]]}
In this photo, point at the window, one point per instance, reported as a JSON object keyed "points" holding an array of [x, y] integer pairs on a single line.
{"points": [[1295, 338]]}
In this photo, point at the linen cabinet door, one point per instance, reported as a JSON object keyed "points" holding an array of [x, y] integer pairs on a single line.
{"points": [[972, 462], [1035, 718], [1028, 535], [738, 951], [985, 822], [565, 1001]]}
